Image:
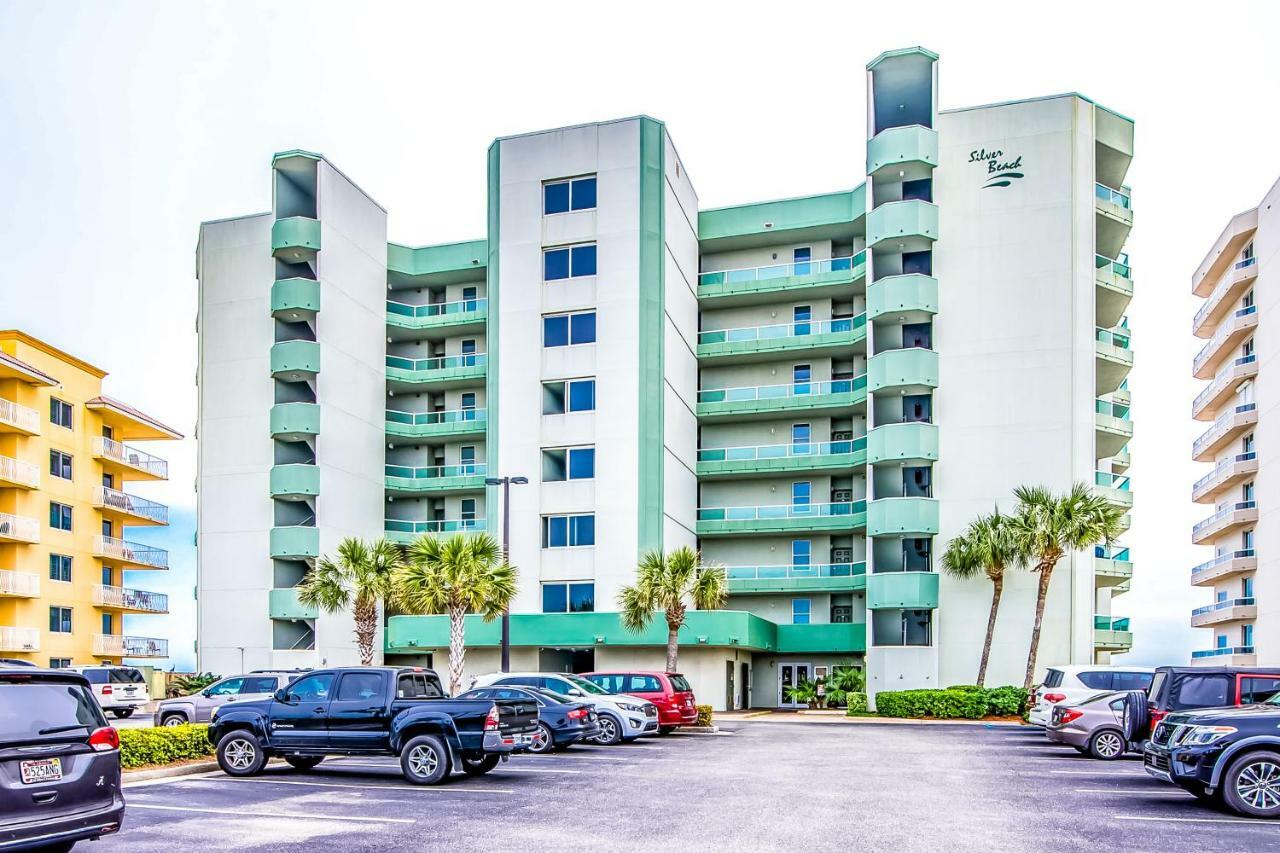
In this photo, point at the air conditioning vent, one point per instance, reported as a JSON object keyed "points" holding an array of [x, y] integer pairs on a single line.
{"points": [[841, 555], [841, 495], [842, 435]]}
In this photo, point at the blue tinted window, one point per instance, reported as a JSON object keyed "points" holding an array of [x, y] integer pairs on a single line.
{"points": [[582, 530], [584, 260], [555, 331], [801, 493], [801, 373], [582, 395], [555, 264], [584, 193], [555, 197], [555, 531], [801, 433], [801, 552], [582, 598], [801, 609], [584, 328], [582, 463], [554, 598]]}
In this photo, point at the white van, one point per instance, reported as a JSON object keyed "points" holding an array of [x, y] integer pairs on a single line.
{"points": [[1075, 683], [118, 689]]}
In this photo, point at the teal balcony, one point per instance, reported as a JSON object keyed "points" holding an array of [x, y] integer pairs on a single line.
{"points": [[762, 401], [295, 543], [450, 371], [1112, 634], [295, 421], [295, 299], [913, 297], [451, 423], [902, 590], [902, 517], [911, 443], [912, 370], [405, 530], [1113, 487], [438, 320], [284, 604], [762, 343], [903, 226], [295, 239], [830, 456], [912, 149], [767, 580], [1113, 220], [1114, 358], [1114, 280], [295, 361], [1112, 566], [783, 518], [815, 279], [1112, 427], [435, 479], [297, 482]]}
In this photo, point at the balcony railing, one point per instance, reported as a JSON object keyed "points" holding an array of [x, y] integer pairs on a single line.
{"points": [[443, 362], [1209, 565], [131, 456], [1223, 651], [19, 639], [797, 329], [816, 570], [781, 451], [1223, 605], [16, 471], [1111, 623], [1223, 425], [118, 645], [1108, 480], [1120, 411], [1120, 197], [1226, 512], [442, 525], [130, 504], [1221, 468], [448, 416], [435, 472], [24, 584], [130, 599], [19, 527], [768, 513], [130, 552], [776, 392], [1225, 377], [437, 309], [787, 270], [1224, 331], [1104, 552], [1118, 267], [1118, 337], [18, 416]]}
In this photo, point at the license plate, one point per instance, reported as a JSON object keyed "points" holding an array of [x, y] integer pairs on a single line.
{"points": [[41, 770]]}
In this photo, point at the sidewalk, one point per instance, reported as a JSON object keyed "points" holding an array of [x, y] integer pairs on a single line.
{"points": [[765, 715]]}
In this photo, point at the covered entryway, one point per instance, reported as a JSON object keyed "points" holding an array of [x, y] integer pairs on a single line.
{"points": [[566, 660], [790, 675]]}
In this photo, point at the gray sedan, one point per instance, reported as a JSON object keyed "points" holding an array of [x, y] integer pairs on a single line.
{"points": [[1094, 726]]}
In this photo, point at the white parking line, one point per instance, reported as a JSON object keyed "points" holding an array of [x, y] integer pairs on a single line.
{"points": [[1270, 823], [1117, 772], [498, 769], [276, 815], [365, 787], [1168, 791]]}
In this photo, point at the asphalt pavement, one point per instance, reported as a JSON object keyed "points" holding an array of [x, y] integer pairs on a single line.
{"points": [[762, 786]]}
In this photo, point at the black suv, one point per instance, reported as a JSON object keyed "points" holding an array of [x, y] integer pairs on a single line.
{"points": [[59, 761]]}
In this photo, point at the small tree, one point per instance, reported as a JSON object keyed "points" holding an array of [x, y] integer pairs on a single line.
{"points": [[670, 583], [362, 577], [987, 546], [1049, 526], [456, 576]]}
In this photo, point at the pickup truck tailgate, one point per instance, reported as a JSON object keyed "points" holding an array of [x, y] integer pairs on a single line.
{"points": [[516, 715]]}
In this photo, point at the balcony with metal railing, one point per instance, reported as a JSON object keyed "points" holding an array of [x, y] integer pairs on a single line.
{"points": [[1224, 384], [810, 577], [754, 461], [1114, 357], [130, 509], [1114, 218], [761, 343], [439, 372], [436, 319], [129, 462], [754, 285], [1225, 656], [1112, 566], [1112, 634], [1113, 427], [1224, 565], [132, 554], [19, 584], [1114, 280], [1220, 612], [18, 528], [15, 417], [133, 600], [1229, 290], [406, 530], [121, 646], [435, 479], [1113, 487], [757, 401], [1228, 337], [1231, 517], [18, 474], [1227, 473], [449, 423], [781, 518], [1229, 426]]}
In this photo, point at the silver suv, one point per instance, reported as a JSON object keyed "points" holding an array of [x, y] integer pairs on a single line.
{"points": [[199, 707]]}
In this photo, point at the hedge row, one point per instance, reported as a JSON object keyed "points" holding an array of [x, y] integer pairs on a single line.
{"points": [[959, 702], [164, 745], [855, 703]]}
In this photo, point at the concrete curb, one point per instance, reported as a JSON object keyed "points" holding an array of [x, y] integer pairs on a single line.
{"points": [[699, 730], [142, 775], [840, 719]]}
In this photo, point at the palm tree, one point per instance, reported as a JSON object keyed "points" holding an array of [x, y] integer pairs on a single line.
{"points": [[457, 576], [1049, 526], [362, 578], [987, 546], [669, 583]]}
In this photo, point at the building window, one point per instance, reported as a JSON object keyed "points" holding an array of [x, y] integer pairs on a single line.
{"points": [[562, 330], [574, 395], [801, 552], [801, 493], [569, 262], [60, 620], [1246, 588], [568, 598], [800, 317], [801, 611], [60, 412], [467, 507], [59, 663], [572, 194], [801, 375], [60, 464], [1246, 636], [60, 568], [469, 302], [59, 516], [568, 531], [468, 403], [801, 258], [568, 463], [801, 435]]}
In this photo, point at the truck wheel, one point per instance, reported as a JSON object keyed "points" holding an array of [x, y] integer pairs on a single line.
{"points": [[610, 730], [1107, 745], [425, 760], [666, 730], [543, 740], [123, 713], [174, 720], [303, 762], [1251, 785], [480, 766], [240, 754]]}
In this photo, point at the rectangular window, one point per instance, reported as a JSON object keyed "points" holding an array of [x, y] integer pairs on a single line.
{"points": [[801, 493], [59, 516], [801, 610], [568, 463], [60, 464], [562, 330], [468, 509], [800, 318], [1246, 636], [469, 299], [60, 620], [801, 258], [568, 598], [59, 663], [575, 395], [801, 552], [568, 531], [467, 458], [468, 400], [569, 262], [1246, 588], [801, 435], [572, 194], [801, 375], [107, 624], [60, 568], [59, 412], [468, 348]]}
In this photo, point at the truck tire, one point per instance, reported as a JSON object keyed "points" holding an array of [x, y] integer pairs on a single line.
{"points": [[1107, 744], [1137, 716], [240, 753], [480, 766], [425, 760], [178, 719], [123, 713], [303, 762], [1251, 785], [610, 730]]}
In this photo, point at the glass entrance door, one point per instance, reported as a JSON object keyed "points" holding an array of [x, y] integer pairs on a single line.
{"points": [[791, 675]]}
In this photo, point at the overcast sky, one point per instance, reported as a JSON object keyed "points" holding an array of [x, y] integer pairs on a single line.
{"points": [[124, 125]]}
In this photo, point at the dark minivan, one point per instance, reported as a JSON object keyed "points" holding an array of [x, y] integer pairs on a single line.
{"points": [[59, 762]]}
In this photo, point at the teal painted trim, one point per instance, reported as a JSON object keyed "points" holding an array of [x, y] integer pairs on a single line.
{"points": [[436, 485], [295, 237], [295, 298], [906, 442], [720, 288], [441, 377], [284, 604], [855, 519], [912, 222], [295, 421], [783, 465], [451, 324], [838, 210], [718, 628], [902, 293], [652, 331], [295, 360], [829, 637], [893, 146], [903, 51], [295, 482], [441, 259], [902, 590], [902, 517], [762, 407], [903, 368], [405, 425], [776, 586], [295, 543], [493, 293], [779, 346], [296, 152]]}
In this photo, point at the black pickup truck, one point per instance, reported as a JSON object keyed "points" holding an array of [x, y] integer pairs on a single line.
{"points": [[373, 710]]}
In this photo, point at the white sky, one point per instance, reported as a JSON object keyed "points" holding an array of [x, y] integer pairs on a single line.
{"points": [[123, 125]]}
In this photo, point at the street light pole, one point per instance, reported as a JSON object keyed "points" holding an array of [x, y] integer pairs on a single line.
{"points": [[506, 483]]}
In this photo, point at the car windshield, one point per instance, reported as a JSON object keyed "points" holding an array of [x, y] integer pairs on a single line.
{"points": [[32, 710], [125, 675], [587, 686], [553, 696]]}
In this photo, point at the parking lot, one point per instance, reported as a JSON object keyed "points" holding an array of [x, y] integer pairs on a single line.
{"points": [[765, 785]]}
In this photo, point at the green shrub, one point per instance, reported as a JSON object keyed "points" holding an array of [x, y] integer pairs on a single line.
{"points": [[970, 687], [857, 703], [164, 745], [704, 715], [1007, 701], [940, 704]]}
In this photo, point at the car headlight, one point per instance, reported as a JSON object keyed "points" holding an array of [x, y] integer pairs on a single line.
{"points": [[213, 714], [635, 709], [1204, 735]]}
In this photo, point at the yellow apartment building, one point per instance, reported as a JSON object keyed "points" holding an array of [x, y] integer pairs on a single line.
{"points": [[66, 461]]}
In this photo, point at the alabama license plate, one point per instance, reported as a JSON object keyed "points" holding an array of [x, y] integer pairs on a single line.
{"points": [[41, 770]]}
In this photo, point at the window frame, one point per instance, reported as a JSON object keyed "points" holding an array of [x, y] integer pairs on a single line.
{"points": [[570, 197], [806, 612], [569, 326], [58, 407], [69, 621], [567, 387], [65, 513], [575, 254], [60, 462], [66, 561], [573, 525], [570, 453]]}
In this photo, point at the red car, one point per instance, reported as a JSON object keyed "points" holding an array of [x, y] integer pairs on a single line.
{"points": [[668, 690]]}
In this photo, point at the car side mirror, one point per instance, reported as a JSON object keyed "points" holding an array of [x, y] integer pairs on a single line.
{"points": [[207, 692], [282, 695], [573, 691]]}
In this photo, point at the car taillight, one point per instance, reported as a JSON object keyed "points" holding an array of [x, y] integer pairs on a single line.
{"points": [[1070, 714], [104, 739], [578, 713], [1055, 698], [106, 690], [1156, 716], [491, 721]]}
